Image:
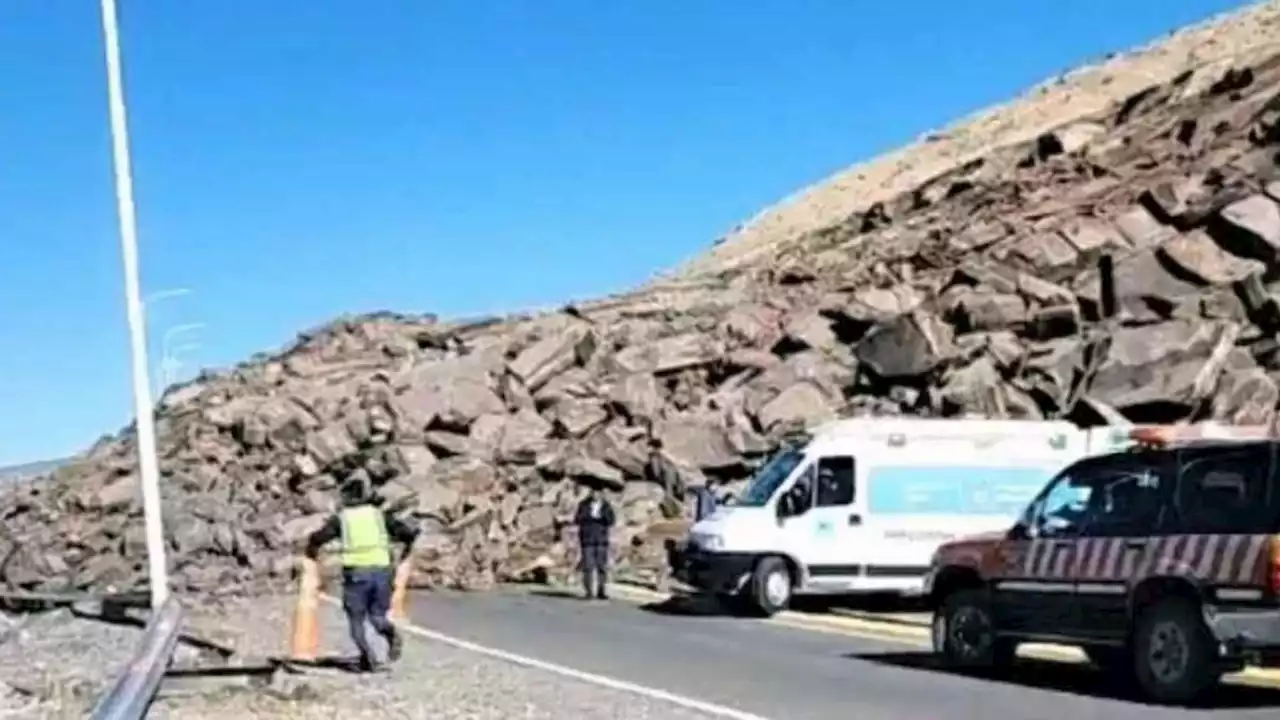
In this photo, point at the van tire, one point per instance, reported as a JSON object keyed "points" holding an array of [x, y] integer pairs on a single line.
{"points": [[769, 591], [1170, 675], [981, 648]]}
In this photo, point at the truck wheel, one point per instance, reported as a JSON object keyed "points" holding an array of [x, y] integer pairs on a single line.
{"points": [[1175, 657], [964, 633], [770, 589]]}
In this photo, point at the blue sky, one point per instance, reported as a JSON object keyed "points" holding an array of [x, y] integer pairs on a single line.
{"points": [[297, 160]]}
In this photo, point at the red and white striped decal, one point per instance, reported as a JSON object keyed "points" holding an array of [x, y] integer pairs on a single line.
{"points": [[1216, 559]]}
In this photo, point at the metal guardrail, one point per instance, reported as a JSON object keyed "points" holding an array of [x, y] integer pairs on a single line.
{"points": [[130, 695]]}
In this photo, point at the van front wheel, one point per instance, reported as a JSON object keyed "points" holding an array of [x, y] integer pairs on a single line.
{"points": [[770, 588]]}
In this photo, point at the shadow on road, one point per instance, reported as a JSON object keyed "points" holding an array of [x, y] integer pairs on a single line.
{"points": [[556, 593], [332, 663], [1075, 679], [674, 605], [691, 606], [886, 610], [563, 594], [889, 608]]}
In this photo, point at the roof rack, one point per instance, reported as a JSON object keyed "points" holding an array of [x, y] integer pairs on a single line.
{"points": [[1148, 437]]}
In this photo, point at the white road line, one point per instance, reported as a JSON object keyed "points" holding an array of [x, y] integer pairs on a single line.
{"points": [[652, 693]]}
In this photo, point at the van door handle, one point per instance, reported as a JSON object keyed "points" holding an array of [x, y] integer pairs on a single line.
{"points": [[855, 519], [1136, 544]]}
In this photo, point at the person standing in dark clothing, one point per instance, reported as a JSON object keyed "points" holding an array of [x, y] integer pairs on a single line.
{"points": [[661, 471], [595, 520], [704, 502], [368, 568]]}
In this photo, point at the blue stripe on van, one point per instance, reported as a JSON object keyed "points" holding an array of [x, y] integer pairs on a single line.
{"points": [[916, 490]]}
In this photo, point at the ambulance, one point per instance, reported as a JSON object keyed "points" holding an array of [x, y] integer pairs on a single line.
{"points": [[861, 505]]}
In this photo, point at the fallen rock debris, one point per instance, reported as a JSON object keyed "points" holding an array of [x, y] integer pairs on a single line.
{"points": [[978, 291]]}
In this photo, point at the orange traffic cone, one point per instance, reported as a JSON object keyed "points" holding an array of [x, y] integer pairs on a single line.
{"points": [[306, 632], [400, 594]]}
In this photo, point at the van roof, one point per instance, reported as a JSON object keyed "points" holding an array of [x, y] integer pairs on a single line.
{"points": [[940, 427], [1009, 435]]}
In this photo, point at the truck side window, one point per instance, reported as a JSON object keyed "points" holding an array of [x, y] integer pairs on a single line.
{"points": [[1224, 490], [835, 481], [1126, 500]]}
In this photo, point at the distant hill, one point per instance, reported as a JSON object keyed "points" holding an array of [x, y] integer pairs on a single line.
{"points": [[18, 472]]}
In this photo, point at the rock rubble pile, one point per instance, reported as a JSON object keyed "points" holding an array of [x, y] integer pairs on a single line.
{"points": [[1123, 265]]}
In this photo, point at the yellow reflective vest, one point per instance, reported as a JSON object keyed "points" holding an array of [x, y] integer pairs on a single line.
{"points": [[365, 543]]}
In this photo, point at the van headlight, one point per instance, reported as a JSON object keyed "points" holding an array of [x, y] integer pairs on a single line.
{"points": [[707, 541]]}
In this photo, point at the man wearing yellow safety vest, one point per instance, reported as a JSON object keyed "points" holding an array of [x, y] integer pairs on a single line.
{"points": [[368, 569]]}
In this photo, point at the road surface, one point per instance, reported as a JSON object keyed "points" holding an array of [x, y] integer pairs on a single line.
{"points": [[784, 673]]}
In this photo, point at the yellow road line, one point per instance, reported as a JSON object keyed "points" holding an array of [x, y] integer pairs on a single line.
{"points": [[918, 636]]}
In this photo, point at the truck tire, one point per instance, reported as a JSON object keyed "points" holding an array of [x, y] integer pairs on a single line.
{"points": [[1175, 656], [964, 633], [770, 587]]}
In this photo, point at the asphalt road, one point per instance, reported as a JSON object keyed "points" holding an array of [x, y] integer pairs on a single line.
{"points": [[784, 673]]}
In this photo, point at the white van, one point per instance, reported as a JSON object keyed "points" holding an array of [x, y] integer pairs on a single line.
{"points": [[862, 505]]}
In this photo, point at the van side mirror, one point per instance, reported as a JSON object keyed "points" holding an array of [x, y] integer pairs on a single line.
{"points": [[791, 505], [1019, 532], [786, 506]]}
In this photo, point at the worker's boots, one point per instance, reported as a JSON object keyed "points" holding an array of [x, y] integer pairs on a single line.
{"points": [[395, 646]]}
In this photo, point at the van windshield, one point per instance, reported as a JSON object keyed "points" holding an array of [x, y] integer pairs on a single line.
{"points": [[767, 480]]}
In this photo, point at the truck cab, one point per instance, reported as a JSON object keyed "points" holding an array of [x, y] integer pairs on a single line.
{"points": [[860, 506]]}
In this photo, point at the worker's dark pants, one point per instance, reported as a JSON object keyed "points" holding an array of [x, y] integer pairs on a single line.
{"points": [[595, 568], [366, 595]]}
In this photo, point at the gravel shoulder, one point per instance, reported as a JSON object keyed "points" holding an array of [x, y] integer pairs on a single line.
{"points": [[54, 665]]}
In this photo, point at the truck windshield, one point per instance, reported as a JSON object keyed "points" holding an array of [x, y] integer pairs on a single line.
{"points": [[767, 480]]}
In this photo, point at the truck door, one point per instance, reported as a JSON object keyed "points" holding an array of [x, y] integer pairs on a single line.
{"points": [[1034, 582], [1126, 509], [835, 525]]}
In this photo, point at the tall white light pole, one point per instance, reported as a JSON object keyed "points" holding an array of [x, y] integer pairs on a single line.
{"points": [[148, 466]]}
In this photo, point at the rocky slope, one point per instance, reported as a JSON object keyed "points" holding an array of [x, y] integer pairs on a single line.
{"points": [[1233, 38], [1123, 264]]}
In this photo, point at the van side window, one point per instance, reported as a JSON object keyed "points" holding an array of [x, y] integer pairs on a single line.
{"points": [[835, 481], [1224, 490]]}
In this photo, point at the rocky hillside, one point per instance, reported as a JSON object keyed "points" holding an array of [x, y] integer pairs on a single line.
{"points": [[1121, 265], [1217, 43]]}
